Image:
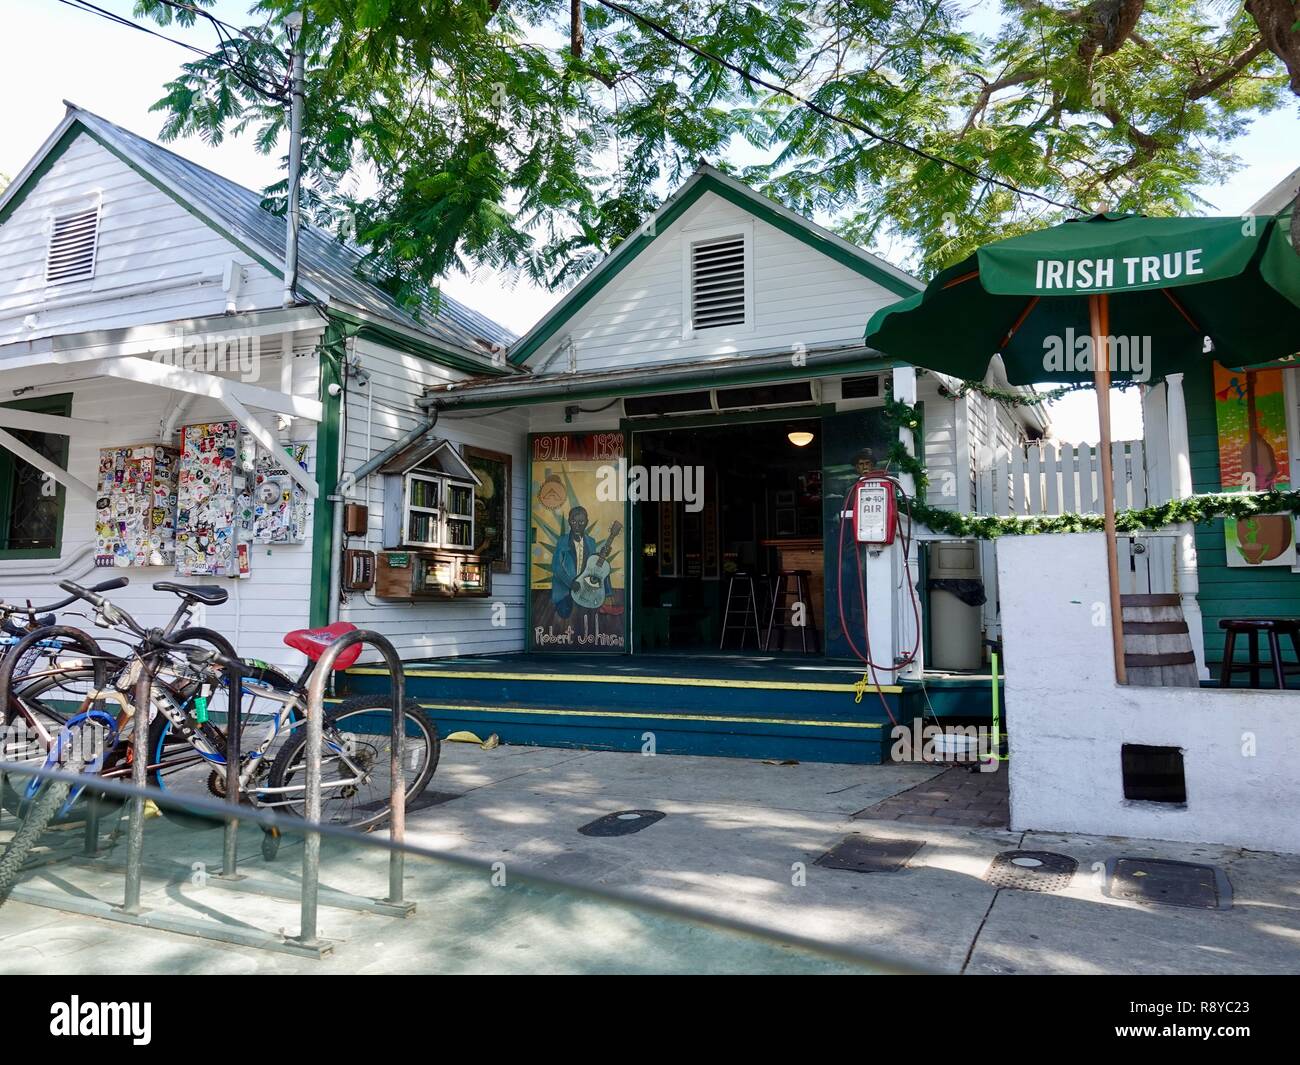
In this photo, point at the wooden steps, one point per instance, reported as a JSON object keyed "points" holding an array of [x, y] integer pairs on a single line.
{"points": [[1157, 646]]}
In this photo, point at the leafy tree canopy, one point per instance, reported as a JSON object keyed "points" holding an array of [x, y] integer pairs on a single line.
{"points": [[535, 134]]}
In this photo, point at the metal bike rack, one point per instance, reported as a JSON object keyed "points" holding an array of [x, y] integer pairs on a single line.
{"points": [[315, 741], [311, 896]]}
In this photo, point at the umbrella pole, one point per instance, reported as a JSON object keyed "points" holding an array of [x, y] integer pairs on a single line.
{"points": [[1099, 313]]}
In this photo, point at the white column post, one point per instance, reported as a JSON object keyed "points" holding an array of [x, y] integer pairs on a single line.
{"points": [[903, 621], [1180, 468]]}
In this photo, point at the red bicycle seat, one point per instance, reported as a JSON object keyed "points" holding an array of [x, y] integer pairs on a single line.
{"points": [[313, 642]]}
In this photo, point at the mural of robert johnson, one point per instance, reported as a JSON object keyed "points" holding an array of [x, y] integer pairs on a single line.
{"points": [[570, 557]]}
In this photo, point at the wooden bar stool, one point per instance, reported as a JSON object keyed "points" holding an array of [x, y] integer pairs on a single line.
{"points": [[1272, 629], [743, 598], [781, 594]]}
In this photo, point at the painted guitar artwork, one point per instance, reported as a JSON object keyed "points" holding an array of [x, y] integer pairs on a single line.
{"points": [[589, 586], [1263, 537]]}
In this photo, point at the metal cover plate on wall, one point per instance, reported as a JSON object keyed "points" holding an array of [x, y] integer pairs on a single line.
{"points": [[870, 854], [1158, 881], [623, 823], [1031, 871]]}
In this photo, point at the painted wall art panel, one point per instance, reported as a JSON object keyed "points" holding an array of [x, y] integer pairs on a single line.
{"points": [[578, 559], [1254, 456]]}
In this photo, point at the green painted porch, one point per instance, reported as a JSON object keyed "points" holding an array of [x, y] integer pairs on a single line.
{"points": [[744, 706]]}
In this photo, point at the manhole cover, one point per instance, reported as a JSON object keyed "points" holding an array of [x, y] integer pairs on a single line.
{"points": [[1031, 871], [867, 854], [1158, 881], [623, 823]]}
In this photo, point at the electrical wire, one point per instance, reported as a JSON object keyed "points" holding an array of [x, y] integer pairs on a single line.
{"points": [[816, 108], [221, 56]]}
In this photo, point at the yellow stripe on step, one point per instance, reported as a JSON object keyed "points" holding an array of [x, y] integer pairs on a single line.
{"points": [[692, 682], [461, 708]]}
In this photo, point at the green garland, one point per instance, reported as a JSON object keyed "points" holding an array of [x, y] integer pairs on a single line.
{"points": [[1020, 399], [1197, 509], [900, 416]]}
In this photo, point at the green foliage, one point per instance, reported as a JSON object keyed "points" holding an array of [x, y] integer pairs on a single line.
{"points": [[444, 134], [1197, 509]]}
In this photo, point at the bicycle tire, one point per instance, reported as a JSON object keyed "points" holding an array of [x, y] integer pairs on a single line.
{"points": [[40, 813], [285, 763]]}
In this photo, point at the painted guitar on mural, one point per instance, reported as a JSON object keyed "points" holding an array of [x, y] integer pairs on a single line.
{"points": [[1263, 537], [589, 585]]}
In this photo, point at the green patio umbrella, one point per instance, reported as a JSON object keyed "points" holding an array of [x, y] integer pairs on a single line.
{"points": [[1146, 292]]}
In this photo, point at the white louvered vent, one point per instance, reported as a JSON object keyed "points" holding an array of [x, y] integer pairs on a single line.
{"points": [[718, 282], [71, 255]]}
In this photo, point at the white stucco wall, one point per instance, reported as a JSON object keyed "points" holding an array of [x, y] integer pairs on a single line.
{"points": [[1068, 718]]}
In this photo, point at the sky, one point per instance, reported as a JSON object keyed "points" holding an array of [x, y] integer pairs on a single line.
{"points": [[119, 73]]}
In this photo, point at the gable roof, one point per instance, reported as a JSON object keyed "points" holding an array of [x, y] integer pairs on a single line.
{"points": [[708, 179], [328, 269], [1280, 196]]}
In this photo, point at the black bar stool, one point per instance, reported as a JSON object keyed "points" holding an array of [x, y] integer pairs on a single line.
{"points": [[742, 597], [1273, 629], [782, 592]]}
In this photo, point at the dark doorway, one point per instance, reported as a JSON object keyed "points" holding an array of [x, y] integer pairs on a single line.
{"points": [[757, 505]]}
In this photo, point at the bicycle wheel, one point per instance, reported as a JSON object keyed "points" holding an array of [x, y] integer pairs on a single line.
{"points": [[48, 703], [357, 749], [179, 768], [39, 815]]}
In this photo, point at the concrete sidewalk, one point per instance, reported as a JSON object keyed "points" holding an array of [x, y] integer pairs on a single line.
{"points": [[738, 840]]}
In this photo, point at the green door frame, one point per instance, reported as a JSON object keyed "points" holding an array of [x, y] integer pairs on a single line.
{"points": [[634, 427], [58, 405]]}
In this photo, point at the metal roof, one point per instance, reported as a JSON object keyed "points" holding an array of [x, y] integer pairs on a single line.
{"points": [[327, 266]]}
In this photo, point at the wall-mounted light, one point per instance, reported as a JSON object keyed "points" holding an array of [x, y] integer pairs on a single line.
{"points": [[800, 438]]}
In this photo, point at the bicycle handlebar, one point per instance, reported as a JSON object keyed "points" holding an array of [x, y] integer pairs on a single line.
{"points": [[114, 615], [67, 586]]}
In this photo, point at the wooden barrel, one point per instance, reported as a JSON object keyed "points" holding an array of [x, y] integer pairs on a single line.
{"points": [[1157, 647]]}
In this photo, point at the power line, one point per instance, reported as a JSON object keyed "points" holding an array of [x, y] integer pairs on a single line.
{"points": [[244, 75], [84, 5], [853, 123]]}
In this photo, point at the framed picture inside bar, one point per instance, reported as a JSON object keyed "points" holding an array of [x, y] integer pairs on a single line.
{"points": [[491, 505]]}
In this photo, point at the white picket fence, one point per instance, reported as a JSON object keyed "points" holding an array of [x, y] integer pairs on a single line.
{"points": [[1046, 478], [1050, 478]]}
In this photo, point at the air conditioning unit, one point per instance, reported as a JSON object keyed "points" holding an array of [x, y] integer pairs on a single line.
{"points": [[670, 404], [753, 397]]}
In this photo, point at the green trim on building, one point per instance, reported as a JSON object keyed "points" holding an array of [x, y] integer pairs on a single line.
{"points": [[331, 355], [755, 203], [18, 195], [61, 406], [1227, 591], [648, 386], [366, 329]]}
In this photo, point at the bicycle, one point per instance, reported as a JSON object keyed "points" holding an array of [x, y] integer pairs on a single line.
{"points": [[183, 734]]}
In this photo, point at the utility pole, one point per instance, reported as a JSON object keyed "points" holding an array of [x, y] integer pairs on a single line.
{"points": [[293, 216]]}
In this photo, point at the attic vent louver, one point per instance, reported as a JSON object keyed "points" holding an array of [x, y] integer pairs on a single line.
{"points": [[718, 282], [71, 254]]}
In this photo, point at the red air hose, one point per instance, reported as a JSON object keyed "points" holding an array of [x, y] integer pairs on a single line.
{"points": [[904, 538]]}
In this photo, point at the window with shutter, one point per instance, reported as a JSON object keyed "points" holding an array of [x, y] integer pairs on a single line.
{"points": [[718, 282], [73, 240]]}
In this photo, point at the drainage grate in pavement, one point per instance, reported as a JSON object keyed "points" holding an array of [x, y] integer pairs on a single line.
{"points": [[1158, 881], [623, 823], [869, 854], [1031, 871]]}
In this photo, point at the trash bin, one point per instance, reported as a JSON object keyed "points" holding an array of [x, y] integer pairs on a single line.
{"points": [[956, 593]]}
